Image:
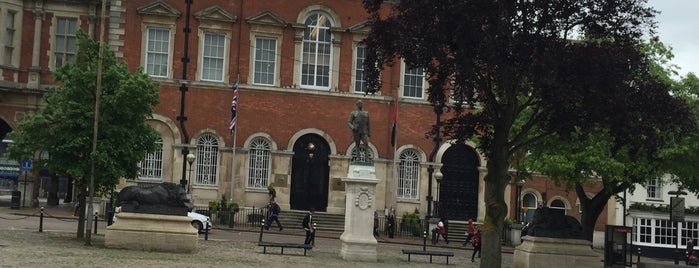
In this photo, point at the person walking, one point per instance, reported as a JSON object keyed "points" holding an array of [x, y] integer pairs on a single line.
{"points": [[469, 232], [391, 224], [274, 211], [476, 242], [308, 227], [440, 230]]}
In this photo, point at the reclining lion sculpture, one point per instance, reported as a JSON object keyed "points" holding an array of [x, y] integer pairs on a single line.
{"points": [[165, 198]]}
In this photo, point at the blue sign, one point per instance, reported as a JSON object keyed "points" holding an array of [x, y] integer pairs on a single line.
{"points": [[27, 165]]}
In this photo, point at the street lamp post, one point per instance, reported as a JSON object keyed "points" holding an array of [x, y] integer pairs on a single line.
{"points": [[190, 160], [677, 215], [183, 89], [518, 212], [430, 169], [438, 178]]}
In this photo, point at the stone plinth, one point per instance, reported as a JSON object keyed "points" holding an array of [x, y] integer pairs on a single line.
{"points": [[542, 252], [152, 232], [358, 242]]}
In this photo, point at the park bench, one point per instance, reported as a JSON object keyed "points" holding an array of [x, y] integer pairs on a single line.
{"points": [[264, 245], [430, 253]]}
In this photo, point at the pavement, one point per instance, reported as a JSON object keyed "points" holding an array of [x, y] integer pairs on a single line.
{"points": [[61, 218]]}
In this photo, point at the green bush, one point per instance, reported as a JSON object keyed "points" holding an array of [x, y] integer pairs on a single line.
{"points": [[413, 222]]}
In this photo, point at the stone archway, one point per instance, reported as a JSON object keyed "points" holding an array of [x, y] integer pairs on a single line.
{"points": [[310, 173]]}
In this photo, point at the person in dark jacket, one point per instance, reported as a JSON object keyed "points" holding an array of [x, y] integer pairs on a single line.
{"points": [[274, 211], [308, 227], [476, 242]]}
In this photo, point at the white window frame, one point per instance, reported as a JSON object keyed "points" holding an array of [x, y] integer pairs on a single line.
{"points": [[150, 52], [359, 76], [259, 163], [10, 40], [269, 60], [528, 215], [654, 189], [409, 174], [152, 164], [208, 59], [408, 75], [206, 164], [67, 53], [317, 40], [563, 207], [662, 232]]}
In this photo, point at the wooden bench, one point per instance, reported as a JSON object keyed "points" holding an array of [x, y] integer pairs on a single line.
{"points": [[264, 245], [430, 253]]}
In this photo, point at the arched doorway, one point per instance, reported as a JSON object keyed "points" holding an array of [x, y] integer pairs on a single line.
{"points": [[310, 173], [458, 190]]}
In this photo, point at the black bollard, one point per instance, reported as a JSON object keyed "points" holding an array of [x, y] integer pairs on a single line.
{"points": [[638, 255], [206, 234], [262, 228], [41, 220], [424, 241], [96, 218]]}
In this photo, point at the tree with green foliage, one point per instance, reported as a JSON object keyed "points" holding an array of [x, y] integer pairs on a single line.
{"points": [[618, 154], [519, 71], [63, 126]]}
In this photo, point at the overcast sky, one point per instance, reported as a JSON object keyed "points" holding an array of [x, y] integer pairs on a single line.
{"points": [[678, 27]]}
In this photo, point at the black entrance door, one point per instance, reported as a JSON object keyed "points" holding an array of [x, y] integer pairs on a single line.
{"points": [[310, 173], [458, 191]]}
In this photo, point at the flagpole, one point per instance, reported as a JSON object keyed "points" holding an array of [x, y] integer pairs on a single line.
{"points": [[235, 136], [394, 183]]}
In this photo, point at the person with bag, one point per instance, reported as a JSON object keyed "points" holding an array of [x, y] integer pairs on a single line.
{"points": [[469, 232], [274, 211], [476, 242], [308, 227]]}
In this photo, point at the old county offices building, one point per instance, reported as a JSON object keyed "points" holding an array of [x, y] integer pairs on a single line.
{"points": [[298, 65]]}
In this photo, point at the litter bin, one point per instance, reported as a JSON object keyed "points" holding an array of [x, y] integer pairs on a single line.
{"points": [[16, 197]]}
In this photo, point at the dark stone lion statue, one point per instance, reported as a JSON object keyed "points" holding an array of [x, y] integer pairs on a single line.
{"points": [[550, 223], [165, 198]]}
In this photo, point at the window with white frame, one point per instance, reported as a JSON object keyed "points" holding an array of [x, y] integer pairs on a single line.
{"points": [[359, 78], [259, 163], [558, 206], [65, 41], [9, 37], [408, 174], [529, 206], [157, 51], [316, 52], [152, 164], [207, 160], [661, 231], [653, 189], [413, 82], [213, 56], [265, 61]]}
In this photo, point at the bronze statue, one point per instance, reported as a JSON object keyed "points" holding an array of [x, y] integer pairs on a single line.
{"points": [[359, 124]]}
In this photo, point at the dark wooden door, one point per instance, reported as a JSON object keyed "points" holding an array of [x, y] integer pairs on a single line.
{"points": [[458, 191], [310, 173]]}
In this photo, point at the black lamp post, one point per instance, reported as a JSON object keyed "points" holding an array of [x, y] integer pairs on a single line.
{"points": [[437, 207], [518, 205], [430, 169], [676, 206], [183, 89]]}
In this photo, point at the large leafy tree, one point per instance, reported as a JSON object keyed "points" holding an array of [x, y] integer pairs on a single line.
{"points": [[620, 152], [63, 127], [520, 71]]}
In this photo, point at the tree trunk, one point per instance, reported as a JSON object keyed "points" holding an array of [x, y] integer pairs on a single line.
{"points": [[591, 209], [81, 213], [52, 200], [69, 191], [495, 206], [35, 189]]}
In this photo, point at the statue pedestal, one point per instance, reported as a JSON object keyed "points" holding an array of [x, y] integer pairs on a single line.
{"points": [[152, 232], [358, 242], [555, 252]]}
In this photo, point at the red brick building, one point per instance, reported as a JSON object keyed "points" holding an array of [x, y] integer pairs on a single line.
{"points": [[298, 69]]}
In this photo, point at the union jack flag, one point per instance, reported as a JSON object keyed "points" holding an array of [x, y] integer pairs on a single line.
{"points": [[234, 108]]}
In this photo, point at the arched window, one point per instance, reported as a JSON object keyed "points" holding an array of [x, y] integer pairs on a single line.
{"points": [[529, 205], [259, 163], [207, 160], [558, 206], [316, 52], [152, 164], [408, 174]]}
